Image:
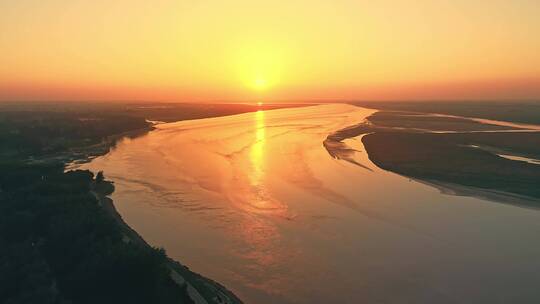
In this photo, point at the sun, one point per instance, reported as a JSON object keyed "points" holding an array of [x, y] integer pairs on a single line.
{"points": [[259, 66], [260, 84]]}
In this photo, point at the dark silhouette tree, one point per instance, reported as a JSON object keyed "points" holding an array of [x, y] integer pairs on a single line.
{"points": [[99, 177]]}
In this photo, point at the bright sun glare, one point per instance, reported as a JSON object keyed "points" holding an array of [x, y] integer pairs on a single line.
{"points": [[259, 66], [260, 83]]}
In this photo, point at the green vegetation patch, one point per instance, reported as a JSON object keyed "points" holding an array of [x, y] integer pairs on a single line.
{"points": [[58, 245]]}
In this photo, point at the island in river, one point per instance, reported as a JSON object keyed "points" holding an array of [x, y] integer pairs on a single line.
{"points": [[461, 155]]}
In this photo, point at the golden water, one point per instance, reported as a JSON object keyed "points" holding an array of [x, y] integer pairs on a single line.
{"points": [[255, 202]]}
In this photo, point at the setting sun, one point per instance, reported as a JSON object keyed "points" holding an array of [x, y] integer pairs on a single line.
{"points": [[259, 66], [260, 84]]}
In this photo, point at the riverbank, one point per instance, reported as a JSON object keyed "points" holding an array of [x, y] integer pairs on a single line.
{"points": [[200, 289]]}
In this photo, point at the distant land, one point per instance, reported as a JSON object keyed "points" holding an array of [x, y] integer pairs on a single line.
{"points": [[515, 111]]}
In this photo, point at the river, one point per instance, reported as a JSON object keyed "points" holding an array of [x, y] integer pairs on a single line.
{"points": [[255, 202]]}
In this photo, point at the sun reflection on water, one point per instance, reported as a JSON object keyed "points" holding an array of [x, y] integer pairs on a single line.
{"points": [[260, 197], [257, 152]]}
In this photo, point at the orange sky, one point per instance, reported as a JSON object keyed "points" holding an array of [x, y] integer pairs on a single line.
{"points": [[269, 50]]}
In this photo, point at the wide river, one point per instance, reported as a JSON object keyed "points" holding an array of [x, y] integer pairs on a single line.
{"points": [[255, 202]]}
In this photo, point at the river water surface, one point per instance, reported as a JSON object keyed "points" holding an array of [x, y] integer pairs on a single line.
{"points": [[255, 202]]}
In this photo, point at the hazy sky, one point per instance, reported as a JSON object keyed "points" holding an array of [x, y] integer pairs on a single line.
{"points": [[291, 50]]}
